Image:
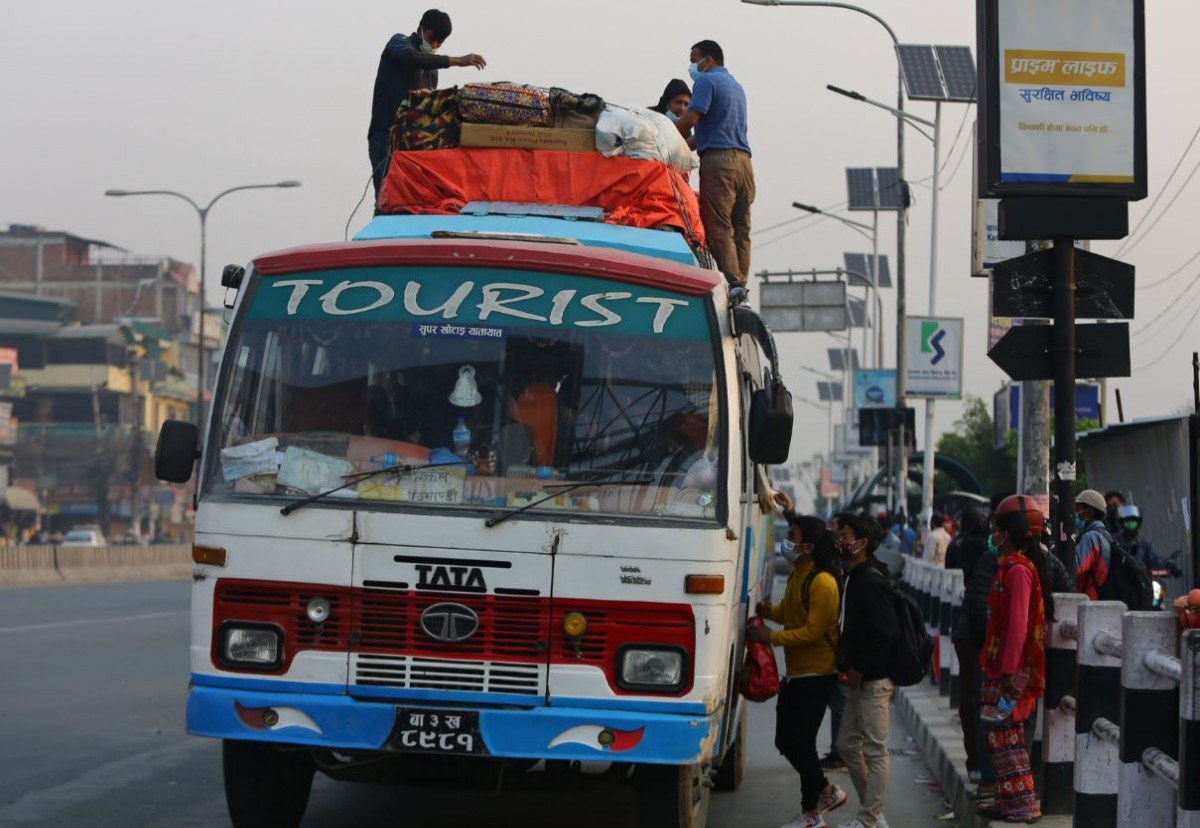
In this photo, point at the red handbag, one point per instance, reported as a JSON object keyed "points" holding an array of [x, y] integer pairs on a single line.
{"points": [[760, 676]]}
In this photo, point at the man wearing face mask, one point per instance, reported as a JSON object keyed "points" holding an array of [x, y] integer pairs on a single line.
{"points": [[718, 113], [1129, 518], [868, 627], [1093, 550], [408, 62]]}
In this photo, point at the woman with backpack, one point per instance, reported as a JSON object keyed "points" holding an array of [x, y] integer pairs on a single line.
{"points": [[1013, 656], [809, 614]]}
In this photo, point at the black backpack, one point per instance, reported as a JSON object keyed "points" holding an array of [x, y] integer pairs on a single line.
{"points": [[1128, 579], [914, 647]]}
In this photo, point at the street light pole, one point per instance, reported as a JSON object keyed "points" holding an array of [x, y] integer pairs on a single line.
{"points": [[901, 284], [202, 213]]}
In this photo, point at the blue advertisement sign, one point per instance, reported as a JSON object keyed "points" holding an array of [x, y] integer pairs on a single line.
{"points": [[875, 388], [1006, 411]]}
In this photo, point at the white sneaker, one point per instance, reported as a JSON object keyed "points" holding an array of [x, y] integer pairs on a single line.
{"points": [[832, 800], [853, 823], [803, 820]]}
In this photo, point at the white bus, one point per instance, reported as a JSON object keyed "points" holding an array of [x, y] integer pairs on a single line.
{"points": [[481, 496]]}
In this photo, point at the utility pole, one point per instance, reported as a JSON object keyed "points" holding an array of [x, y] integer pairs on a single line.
{"points": [[1033, 458]]}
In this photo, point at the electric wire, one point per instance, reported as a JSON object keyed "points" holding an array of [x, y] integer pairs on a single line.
{"points": [[1157, 325], [761, 245], [957, 166], [804, 217], [950, 152], [1159, 217], [1169, 348], [1172, 274], [1129, 239]]}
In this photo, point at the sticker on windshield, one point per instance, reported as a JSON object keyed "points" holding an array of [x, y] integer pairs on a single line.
{"points": [[449, 331]]}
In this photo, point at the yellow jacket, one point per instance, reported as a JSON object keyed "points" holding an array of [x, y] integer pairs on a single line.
{"points": [[808, 637]]}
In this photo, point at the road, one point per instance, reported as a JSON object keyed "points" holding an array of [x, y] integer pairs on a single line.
{"points": [[91, 714]]}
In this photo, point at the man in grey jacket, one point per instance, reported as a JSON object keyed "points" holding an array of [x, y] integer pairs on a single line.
{"points": [[408, 62]]}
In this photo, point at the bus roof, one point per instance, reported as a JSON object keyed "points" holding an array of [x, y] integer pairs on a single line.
{"points": [[546, 256], [661, 244]]}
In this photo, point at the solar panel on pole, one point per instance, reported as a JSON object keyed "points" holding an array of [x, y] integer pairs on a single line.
{"points": [[857, 273], [888, 188], [860, 181], [958, 72], [837, 359], [920, 70], [829, 391], [885, 275], [856, 310]]}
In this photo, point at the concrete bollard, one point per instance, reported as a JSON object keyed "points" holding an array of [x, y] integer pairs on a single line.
{"points": [[1148, 719], [1188, 815], [1058, 724], [1098, 677], [956, 610]]}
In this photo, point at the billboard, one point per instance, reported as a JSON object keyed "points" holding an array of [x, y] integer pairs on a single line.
{"points": [[875, 388], [934, 357], [1062, 98]]}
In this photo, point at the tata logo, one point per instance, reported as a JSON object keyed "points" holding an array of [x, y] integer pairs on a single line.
{"points": [[461, 578], [450, 623]]}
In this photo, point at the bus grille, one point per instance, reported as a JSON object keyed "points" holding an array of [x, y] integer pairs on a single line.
{"points": [[511, 628], [413, 673]]}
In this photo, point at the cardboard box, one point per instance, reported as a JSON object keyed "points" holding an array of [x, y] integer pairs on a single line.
{"points": [[524, 137]]}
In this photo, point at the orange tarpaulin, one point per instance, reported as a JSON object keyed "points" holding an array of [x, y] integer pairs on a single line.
{"points": [[631, 192]]}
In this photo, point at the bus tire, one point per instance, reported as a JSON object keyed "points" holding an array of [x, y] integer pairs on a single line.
{"points": [[265, 787], [670, 796], [733, 765]]}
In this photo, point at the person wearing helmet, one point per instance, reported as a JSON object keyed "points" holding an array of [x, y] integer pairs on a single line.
{"points": [[1093, 550], [1129, 519], [1013, 657]]}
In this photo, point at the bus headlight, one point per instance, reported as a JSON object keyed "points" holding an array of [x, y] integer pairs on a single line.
{"points": [[256, 646], [649, 668]]}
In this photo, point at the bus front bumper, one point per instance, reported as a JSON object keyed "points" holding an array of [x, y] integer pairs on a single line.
{"points": [[343, 722]]}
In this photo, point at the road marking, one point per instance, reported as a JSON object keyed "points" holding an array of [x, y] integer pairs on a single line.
{"points": [[61, 624], [127, 774]]}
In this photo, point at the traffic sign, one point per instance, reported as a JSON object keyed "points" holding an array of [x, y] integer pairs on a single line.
{"points": [[1023, 287], [1027, 352]]}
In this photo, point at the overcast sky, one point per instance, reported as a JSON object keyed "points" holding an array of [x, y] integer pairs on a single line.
{"points": [[198, 97]]}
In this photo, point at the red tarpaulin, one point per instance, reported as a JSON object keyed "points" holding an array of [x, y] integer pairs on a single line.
{"points": [[631, 192]]}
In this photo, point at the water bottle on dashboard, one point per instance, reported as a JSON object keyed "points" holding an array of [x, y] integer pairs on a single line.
{"points": [[462, 438]]}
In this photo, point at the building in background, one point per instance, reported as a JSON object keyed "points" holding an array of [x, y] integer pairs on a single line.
{"points": [[104, 347]]}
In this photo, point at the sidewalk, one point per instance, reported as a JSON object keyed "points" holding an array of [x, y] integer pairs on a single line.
{"points": [[939, 736]]}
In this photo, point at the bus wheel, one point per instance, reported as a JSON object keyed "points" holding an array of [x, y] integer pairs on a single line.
{"points": [[733, 764], [264, 786], [670, 796]]}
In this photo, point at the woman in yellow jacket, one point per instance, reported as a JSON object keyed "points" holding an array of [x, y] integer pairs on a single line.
{"points": [[809, 615]]}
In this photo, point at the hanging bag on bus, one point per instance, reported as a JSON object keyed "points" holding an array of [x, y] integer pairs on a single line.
{"points": [[760, 675]]}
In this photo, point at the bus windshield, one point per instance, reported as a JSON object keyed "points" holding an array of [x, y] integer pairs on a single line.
{"points": [[506, 384]]}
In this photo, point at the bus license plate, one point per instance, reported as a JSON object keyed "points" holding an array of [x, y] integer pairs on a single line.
{"points": [[424, 730]]}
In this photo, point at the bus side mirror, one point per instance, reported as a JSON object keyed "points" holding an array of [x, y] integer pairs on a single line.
{"points": [[176, 452], [770, 432]]}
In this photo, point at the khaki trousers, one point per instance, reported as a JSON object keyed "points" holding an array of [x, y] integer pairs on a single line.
{"points": [[862, 744], [726, 193]]}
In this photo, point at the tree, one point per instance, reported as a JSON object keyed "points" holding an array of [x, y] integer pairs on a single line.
{"points": [[972, 442]]}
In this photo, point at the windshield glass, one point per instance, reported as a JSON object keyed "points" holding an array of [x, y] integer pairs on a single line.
{"points": [[510, 382]]}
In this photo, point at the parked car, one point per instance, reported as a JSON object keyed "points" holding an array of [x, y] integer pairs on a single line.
{"points": [[83, 537]]}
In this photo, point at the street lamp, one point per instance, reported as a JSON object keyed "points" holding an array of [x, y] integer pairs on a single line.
{"points": [[901, 285], [202, 212]]}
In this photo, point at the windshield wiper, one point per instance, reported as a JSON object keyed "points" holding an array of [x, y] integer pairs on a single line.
{"points": [[561, 489], [358, 477]]}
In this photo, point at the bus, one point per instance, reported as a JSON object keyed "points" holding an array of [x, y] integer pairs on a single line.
{"points": [[481, 496]]}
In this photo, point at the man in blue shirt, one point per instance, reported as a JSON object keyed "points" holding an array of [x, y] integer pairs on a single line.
{"points": [[718, 113], [408, 62]]}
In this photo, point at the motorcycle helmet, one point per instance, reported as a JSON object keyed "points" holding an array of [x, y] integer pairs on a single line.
{"points": [[1018, 515], [1129, 512]]}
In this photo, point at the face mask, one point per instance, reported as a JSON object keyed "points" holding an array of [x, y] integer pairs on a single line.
{"points": [[1130, 525], [848, 550], [992, 546], [694, 71], [427, 47], [788, 550], [1080, 525], [674, 118]]}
